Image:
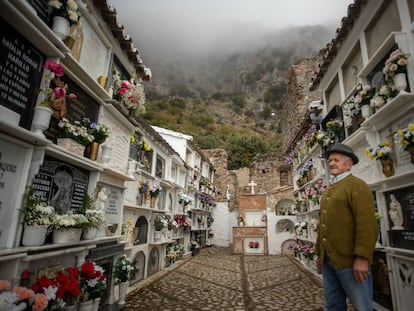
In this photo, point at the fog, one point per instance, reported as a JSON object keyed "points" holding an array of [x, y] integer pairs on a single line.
{"points": [[181, 28]]}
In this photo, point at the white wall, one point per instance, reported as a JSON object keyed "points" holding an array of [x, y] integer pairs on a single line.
{"points": [[276, 239], [222, 225]]}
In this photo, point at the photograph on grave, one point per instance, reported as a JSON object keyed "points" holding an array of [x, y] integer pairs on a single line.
{"points": [[61, 185], [400, 208]]}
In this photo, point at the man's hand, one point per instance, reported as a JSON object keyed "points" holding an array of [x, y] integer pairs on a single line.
{"points": [[318, 265], [360, 268]]}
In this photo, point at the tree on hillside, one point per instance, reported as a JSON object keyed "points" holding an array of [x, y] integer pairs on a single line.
{"points": [[241, 150]]}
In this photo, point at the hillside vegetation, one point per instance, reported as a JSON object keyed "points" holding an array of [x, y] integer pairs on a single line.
{"points": [[231, 102]]}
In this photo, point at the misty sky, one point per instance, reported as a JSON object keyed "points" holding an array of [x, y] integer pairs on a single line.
{"points": [[179, 25]]}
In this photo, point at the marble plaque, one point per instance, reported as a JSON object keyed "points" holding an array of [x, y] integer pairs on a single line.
{"points": [[12, 162], [20, 73], [113, 205], [94, 55]]}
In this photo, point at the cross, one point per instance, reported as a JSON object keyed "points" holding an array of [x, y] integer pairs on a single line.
{"points": [[252, 184]]}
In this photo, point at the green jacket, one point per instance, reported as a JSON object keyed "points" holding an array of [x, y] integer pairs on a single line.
{"points": [[347, 223]]}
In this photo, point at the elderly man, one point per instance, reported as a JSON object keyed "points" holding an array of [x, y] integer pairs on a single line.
{"points": [[347, 235]]}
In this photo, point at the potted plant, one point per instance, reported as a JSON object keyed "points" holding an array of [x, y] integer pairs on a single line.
{"points": [[53, 101], [68, 227], [363, 96], [100, 133], [395, 69], [73, 136], [37, 219], [63, 13], [194, 247], [124, 270], [384, 154], [405, 138], [92, 283], [154, 194], [94, 215], [129, 92]]}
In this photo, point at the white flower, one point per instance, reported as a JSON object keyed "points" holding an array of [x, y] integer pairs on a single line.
{"points": [[377, 101]]}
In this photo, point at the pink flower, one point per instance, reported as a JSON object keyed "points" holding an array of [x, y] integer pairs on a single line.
{"points": [[4, 285], [59, 92], [54, 67], [24, 293], [40, 302]]}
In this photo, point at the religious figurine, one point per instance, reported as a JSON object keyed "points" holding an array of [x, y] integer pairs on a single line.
{"points": [[58, 104], [101, 199], [129, 231], [396, 213]]}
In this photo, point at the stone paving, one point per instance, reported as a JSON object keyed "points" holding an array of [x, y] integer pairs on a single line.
{"points": [[216, 279]]}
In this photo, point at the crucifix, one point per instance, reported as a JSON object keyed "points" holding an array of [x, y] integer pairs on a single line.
{"points": [[252, 184]]}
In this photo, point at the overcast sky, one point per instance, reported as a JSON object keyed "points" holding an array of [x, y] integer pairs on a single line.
{"points": [[166, 24]]}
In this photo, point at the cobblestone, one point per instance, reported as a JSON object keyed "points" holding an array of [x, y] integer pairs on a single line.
{"points": [[218, 280]]}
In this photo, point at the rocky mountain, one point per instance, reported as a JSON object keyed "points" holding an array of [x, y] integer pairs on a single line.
{"points": [[230, 98]]}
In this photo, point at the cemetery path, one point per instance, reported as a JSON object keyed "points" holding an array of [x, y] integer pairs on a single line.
{"points": [[216, 279]]}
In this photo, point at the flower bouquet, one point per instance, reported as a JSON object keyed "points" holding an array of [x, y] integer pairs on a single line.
{"points": [[36, 213], [363, 95], [382, 152], [75, 131], [46, 289], [155, 191], [65, 8], [92, 281], [124, 269], [16, 299], [184, 199], [396, 63], [405, 136], [129, 92], [100, 132], [160, 223], [69, 220]]}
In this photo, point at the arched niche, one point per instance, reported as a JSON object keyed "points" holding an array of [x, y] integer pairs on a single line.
{"points": [[285, 225], [141, 231], [153, 261], [139, 260], [284, 207], [287, 247]]}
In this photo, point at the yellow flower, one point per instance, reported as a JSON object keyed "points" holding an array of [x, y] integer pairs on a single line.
{"points": [[411, 127], [380, 153], [369, 154], [132, 139], [401, 133]]}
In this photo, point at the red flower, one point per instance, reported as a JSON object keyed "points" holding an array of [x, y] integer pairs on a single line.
{"points": [[74, 272], [25, 274], [59, 92], [88, 269]]}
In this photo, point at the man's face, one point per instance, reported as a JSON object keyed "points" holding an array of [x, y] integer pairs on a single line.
{"points": [[338, 163]]}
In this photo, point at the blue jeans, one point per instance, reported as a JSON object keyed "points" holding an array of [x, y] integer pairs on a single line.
{"points": [[339, 284]]}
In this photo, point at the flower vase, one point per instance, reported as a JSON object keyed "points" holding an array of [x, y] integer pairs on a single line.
{"points": [[152, 202], [71, 145], [388, 167], [71, 235], [106, 154], [41, 120], [400, 82], [34, 235], [71, 307], [93, 151], [90, 233], [123, 288], [366, 111], [157, 236], [60, 27], [411, 151], [86, 305], [96, 303]]}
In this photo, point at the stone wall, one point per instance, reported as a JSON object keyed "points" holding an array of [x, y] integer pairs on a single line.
{"points": [[297, 98]]}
